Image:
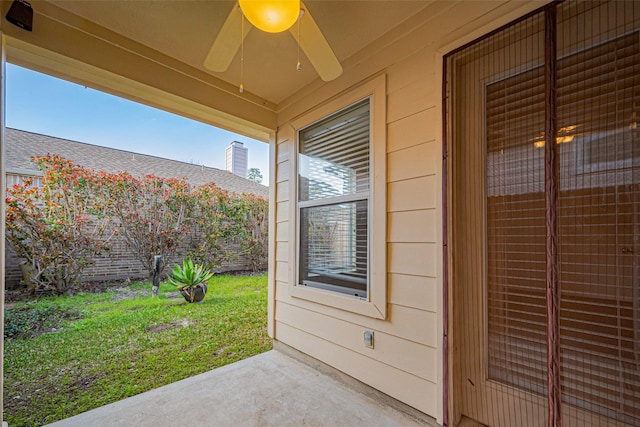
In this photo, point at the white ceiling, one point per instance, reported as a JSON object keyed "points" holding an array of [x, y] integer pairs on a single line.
{"points": [[186, 29]]}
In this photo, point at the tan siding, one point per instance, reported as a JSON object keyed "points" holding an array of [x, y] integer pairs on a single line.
{"points": [[413, 291], [285, 133], [414, 97], [271, 280], [283, 151], [282, 212], [282, 251], [282, 271], [282, 232], [411, 86], [406, 387], [401, 321], [411, 71], [282, 206], [388, 349], [408, 100], [411, 130], [282, 171], [282, 189], [413, 226], [413, 258], [278, 264], [413, 162], [405, 361], [413, 194]]}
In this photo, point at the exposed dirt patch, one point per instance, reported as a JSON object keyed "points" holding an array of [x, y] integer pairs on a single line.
{"points": [[177, 324], [96, 287], [125, 292], [173, 295], [84, 382], [24, 394]]}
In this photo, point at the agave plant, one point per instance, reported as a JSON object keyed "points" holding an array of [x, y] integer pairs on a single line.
{"points": [[191, 280]]}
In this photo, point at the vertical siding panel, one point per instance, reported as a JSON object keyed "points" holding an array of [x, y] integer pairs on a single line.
{"points": [[282, 271], [282, 171], [282, 251], [282, 232], [282, 192], [271, 280], [282, 211]]}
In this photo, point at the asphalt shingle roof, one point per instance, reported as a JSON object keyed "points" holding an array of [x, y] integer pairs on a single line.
{"points": [[21, 145]]}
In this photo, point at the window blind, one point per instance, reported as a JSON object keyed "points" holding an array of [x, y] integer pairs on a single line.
{"points": [[598, 90], [333, 194], [334, 155], [599, 200], [334, 242]]}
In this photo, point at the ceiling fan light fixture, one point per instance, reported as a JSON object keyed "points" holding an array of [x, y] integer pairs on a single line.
{"points": [[272, 16]]}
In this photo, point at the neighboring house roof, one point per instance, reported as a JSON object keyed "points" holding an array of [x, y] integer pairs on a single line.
{"points": [[21, 145]]}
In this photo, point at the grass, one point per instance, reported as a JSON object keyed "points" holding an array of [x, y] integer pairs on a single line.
{"points": [[66, 355]]}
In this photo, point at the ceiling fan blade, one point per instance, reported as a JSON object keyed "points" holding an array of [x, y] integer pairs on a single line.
{"points": [[227, 41], [316, 47]]}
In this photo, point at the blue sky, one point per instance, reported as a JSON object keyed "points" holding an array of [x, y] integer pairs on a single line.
{"points": [[50, 106]]}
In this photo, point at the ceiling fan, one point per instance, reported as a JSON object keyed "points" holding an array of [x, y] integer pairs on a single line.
{"points": [[296, 19]]}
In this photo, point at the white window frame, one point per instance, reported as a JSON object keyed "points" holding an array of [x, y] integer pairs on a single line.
{"points": [[375, 305]]}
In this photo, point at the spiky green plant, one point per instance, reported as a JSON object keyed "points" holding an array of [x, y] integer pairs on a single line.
{"points": [[189, 275]]}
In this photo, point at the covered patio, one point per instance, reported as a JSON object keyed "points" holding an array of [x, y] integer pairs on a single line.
{"points": [[428, 158], [275, 388]]}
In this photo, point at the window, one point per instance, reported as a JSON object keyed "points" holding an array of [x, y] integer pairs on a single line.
{"points": [[18, 179], [338, 234], [333, 202]]}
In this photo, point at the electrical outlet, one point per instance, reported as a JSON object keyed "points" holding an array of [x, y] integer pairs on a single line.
{"points": [[368, 339]]}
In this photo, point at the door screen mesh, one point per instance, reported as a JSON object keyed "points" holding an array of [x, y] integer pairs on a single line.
{"points": [[597, 143]]}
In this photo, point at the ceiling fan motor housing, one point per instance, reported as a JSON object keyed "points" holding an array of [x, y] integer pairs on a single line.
{"points": [[272, 16]]}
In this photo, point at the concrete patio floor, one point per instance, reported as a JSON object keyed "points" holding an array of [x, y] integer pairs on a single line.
{"points": [[270, 389]]}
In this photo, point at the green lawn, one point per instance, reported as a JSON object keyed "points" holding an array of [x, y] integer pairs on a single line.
{"points": [[96, 349]]}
